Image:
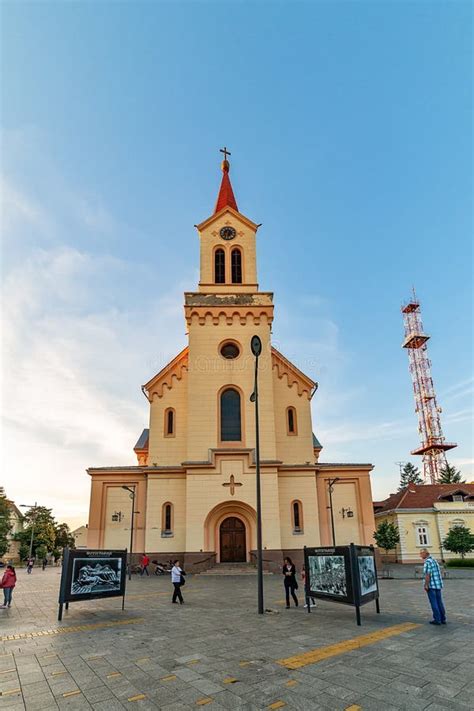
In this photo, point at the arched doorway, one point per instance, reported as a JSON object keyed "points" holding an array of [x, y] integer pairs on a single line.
{"points": [[232, 541]]}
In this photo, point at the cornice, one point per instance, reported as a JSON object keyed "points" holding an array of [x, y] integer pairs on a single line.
{"points": [[202, 225], [283, 367]]}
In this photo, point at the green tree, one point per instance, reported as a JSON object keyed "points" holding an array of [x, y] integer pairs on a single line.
{"points": [[409, 475], [24, 551], [450, 475], [40, 521], [459, 540], [41, 552], [63, 536], [5, 523], [387, 536]]}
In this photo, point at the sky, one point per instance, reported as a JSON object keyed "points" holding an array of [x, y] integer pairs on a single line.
{"points": [[349, 125]]}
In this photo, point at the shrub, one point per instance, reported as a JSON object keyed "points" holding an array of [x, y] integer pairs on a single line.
{"points": [[460, 563]]}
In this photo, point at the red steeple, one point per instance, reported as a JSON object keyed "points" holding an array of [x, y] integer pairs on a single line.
{"points": [[226, 194]]}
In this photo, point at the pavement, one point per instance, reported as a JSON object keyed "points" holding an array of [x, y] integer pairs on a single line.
{"points": [[216, 651]]}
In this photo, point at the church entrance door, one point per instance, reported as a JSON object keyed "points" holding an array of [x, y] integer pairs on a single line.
{"points": [[232, 541]]}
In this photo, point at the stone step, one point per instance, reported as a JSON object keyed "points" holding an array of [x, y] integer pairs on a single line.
{"points": [[233, 569]]}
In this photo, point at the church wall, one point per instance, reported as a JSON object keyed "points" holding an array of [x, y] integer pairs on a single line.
{"points": [[352, 491], [169, 451], [298, 487], [210, 240], [166, 489], [209, 373], [298, 448], [117, 533]]}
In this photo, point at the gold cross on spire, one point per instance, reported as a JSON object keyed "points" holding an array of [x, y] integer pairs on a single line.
{"points": [[225, 152]]}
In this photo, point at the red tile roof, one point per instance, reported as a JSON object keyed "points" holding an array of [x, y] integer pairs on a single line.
{"points": [[226, 194], [422, 496]]}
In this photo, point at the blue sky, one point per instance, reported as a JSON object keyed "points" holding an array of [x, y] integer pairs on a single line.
{"points": [[349, 125]]}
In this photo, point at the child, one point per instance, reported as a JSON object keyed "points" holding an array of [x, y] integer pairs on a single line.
{"points": [[312, 601], [8, 583]]}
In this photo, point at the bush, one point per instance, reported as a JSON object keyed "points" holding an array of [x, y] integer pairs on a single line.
{"points": [[460, 563]]}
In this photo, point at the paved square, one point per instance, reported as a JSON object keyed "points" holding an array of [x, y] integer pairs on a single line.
{"points": [[215, 651]]}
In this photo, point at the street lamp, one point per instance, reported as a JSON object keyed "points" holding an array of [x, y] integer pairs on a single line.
{"points": [[33, 519], [331, 483], [132, 496], [256, 347]]}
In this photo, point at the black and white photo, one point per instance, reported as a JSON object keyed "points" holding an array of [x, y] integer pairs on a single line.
{"points": [[327, 574], [367, 575], [96, 576]]}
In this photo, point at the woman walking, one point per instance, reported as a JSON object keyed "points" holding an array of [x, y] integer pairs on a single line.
{"points": [[177, 578], [289, 573], [8, 583]]}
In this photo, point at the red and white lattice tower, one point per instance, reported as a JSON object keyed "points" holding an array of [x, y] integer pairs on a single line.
{"points": [[433, 446]]}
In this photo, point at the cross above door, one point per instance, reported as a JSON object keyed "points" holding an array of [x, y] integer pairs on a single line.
{"points": [[232, 484]]}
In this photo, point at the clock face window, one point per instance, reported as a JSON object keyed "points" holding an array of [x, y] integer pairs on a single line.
{"points": [[227, 232]]}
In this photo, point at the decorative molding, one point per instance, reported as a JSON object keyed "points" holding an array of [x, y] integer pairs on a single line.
{"points": [[284, 368], [174, 370], [229, 314]]}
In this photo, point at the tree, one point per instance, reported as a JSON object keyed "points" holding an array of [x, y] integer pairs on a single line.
{"points": [[459, 540], [409, 475], [387, 536], [450, 475], [40, 521], [63, 536], [6, 524]]}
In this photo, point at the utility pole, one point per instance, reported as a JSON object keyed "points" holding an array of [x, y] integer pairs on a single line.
{"points": [[331, 483], [256, 347], [132, 496]]}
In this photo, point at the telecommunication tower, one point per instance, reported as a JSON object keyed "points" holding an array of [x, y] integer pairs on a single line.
{"points": [[433, 446]]}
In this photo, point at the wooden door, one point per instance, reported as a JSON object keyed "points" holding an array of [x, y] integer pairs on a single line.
{"points": [[232, 541]]}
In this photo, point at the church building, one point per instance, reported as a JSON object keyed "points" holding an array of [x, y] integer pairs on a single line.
{"points": [[194, 482]]}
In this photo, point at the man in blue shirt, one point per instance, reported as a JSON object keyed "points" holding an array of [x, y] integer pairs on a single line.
{"points": [[433, 583]]}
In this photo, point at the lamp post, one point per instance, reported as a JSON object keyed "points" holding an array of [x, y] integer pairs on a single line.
{"points": [[33, 519], [256, 347], [132, 496], [331, 483]]}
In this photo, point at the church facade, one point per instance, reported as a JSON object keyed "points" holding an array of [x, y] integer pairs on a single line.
{"points": [[194, 481]]}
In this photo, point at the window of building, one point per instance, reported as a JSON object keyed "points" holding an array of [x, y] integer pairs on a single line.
{"points": [[229, 350], [297, 516], [457, 522], [291, 420], [236, 263], [231, 430], [169, 422], [458, 497], [167, 519], [219, 266], [422, 535]]}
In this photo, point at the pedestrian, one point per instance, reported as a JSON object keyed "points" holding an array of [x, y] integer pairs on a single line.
{"points": [[45, 563], [312, 600], [145, 564], [29, 565], [289, 572], [8, 583], [433, 584], [177, 578]]}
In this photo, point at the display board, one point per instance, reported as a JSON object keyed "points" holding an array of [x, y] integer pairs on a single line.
{"points": [[345, 574], [91, 575]]}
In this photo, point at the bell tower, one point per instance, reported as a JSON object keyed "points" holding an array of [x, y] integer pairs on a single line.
{"points": [[221, 318], [228, 244]]}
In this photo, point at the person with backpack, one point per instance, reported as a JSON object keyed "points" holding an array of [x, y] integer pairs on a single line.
{"points": [[289, 572], [177, 578], [7, 583]]}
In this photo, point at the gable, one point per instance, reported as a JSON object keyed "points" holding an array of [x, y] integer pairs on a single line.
{"points": [[284, 368], [175, 370], [238, 215]]}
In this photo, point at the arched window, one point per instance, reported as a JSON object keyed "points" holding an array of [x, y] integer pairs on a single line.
{"points": [[167, 519], [170, 423], [219, 266], [297, 516], [236, 262], [291, 420], [231, 430]]}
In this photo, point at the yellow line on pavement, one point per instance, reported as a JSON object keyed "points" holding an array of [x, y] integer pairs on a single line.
{"points": [[137, 697], [65, 630], [333, 650]]}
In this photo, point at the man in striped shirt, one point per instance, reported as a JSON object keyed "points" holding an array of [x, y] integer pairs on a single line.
{"points": [[433, 583]]}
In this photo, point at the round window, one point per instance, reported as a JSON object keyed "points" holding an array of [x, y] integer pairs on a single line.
{"points": [[230, 350]]}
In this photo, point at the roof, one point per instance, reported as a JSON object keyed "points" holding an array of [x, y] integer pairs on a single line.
{"points": [[142, 440], [226, 194], [316, 443], [422, 496]]}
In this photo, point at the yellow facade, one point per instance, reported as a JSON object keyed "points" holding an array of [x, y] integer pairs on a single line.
{"points": [[195, 478], [427, 528]]}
